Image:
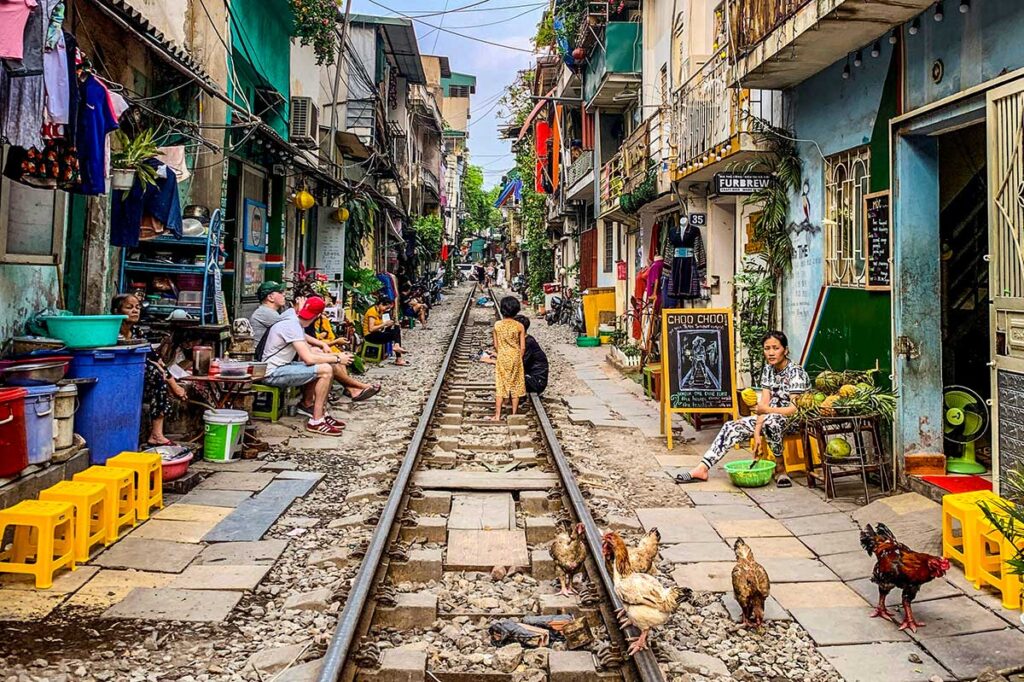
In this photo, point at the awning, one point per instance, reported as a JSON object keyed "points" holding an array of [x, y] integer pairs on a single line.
{"points": [[533, 114], [401, 37]]}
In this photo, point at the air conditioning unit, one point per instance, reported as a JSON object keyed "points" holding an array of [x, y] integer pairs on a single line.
{"points": [[304, 126]]}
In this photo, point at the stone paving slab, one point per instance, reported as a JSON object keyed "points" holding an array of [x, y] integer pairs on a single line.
{"points": [[715, 484], [797, 507], [215, 498], [693, 552], [702, 498], [183, 511], [688, 461], [245, 466], [677, 524], [65, 582], [770, 494], [783, 570], [824, 523], [109, 587], [290, 475], [253, 517], [968, 655], [262, 552], [482, 511], [889, 661], [175, 531], [705, 576], [757, 528], [583, 402], [27, 605], [936, 589], [818, 594], [772, 610], [220, 577], [142, 554], [834, 543], [253, 482], [775, 548], [845, 625], [732, 512], [954, 616], [475, 549], [850, 565], [194, 606]]}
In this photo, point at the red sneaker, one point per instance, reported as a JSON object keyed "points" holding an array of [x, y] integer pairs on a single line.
{"points": [[336, 423], [324, 428]]}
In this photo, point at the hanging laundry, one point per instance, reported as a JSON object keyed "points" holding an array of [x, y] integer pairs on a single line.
{"points": [[71, 49], [175, 158], [56, 85], [95, 122], [13, 18], [21, 82], [156, 206]]}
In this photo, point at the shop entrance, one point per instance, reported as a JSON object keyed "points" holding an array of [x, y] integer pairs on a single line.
{"points": [[964, 276]]}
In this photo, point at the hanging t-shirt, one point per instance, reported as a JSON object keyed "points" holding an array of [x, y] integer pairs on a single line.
{"points": [[95, 122], [13, 16]]}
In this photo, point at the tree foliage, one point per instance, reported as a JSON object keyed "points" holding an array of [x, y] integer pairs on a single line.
{"points": [[479, 203]]}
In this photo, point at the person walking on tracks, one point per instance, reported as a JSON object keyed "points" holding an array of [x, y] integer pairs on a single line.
{"points": [[510, 345]]}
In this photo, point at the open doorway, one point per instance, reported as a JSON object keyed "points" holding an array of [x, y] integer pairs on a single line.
{"points": [[964, 240]]}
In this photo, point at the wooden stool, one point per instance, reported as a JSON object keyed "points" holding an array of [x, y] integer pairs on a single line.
{"points": [[149, 479], [91, 512], [996, 571], [963, 508], [120, 491], [44, 532]]}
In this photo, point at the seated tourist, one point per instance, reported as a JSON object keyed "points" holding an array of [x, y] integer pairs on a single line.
{"points": [[322, 330], [413, 305], [272, 309], [380, 327]]}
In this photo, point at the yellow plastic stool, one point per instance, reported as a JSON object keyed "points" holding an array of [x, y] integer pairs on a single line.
{"points": [[995, 570], [371, 352], [120, 491], [149, 479], [43, 532], [91, 512], [963, 508]]}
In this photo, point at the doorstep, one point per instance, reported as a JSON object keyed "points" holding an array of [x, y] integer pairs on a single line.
{"points": [[38, 477]]}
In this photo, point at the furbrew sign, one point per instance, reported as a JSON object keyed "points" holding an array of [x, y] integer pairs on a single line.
{"points": [[741, 183], [698, 369]]}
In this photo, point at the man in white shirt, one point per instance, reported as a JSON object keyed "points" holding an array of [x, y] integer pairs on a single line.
{"points": [[269, 313], [313, 370]]}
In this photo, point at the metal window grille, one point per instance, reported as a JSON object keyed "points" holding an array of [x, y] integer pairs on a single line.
{"points": [[847, 181], [609, 246]]}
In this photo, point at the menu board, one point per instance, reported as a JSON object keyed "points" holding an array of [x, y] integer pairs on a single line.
{"points": [[878, 241], [697, 363]]}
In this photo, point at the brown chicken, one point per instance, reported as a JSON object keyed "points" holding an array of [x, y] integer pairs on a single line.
{"points": [[568, 551], [641, 557], [750, 585], [896, 565], [646, 603]]}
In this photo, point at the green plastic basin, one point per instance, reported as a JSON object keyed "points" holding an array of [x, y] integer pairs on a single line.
{"points": [[743, 476], [85, 331], [588, 341]]}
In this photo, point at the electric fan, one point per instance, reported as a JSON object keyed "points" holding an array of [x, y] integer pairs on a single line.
{"points": [[964, 420]]}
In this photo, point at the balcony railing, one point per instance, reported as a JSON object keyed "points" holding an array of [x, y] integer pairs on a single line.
{"points": [[612, 183], [712, 121], [615, 67], [753, 20], [429, 178], [579, 168], [636, 158]]}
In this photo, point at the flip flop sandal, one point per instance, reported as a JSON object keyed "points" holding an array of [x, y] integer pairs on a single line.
{"points": [[164, 443], [687, 477], [783, 481], [366, 394]]}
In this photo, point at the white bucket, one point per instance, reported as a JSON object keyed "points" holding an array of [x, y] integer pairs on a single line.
{"points": [[65, 404], [223, 434]]}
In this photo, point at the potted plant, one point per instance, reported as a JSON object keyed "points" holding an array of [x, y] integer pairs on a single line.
{"points": [[129, 161]]}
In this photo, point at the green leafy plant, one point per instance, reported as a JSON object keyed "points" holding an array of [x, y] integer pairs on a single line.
{"points": [[133, 154], [755, 292], [362, 284], [362, 211], [1007, 516], [545, 36], [315, 23]]}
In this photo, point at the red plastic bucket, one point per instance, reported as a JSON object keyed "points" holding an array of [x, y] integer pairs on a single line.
{"points": [[13, 440]]}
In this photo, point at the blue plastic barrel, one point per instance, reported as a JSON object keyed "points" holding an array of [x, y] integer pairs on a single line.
{"points": [[110, 410], [39, 422]]}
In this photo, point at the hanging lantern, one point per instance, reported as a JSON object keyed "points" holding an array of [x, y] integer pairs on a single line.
{"points": [[304, 200], [341, 215]]}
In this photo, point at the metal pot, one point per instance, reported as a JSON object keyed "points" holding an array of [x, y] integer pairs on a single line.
{"points": [[200, 213], [36, 373]]}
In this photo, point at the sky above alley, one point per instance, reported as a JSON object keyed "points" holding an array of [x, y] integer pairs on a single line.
{"points": [[506, 22]]}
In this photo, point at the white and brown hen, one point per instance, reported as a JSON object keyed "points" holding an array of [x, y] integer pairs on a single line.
{"points": [[568, 551]]}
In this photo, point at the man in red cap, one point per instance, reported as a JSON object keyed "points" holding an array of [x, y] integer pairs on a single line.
{"points": [[313, 370]]}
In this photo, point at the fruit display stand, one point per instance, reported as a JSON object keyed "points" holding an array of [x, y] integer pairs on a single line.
{"points": [[864, 453]]}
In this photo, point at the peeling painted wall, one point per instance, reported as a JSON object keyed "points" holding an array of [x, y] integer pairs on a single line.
{"points": [[25, 290]]}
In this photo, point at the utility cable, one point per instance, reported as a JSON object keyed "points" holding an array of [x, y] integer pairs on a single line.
{"points": [[455, 33]]}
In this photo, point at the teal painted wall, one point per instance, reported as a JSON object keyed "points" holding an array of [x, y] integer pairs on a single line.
{"points": [[261, 44], [25, 290], [621, 53]]}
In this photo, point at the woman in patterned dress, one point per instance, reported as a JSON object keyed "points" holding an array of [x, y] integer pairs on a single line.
{"points": [[509, 344], [781, 381]]}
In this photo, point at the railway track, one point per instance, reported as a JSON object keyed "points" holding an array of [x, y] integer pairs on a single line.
{"points": [[460, 545]]}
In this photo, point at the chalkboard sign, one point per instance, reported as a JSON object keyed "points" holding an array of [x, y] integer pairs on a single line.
{"points": [[878, 241], [697, 363]]}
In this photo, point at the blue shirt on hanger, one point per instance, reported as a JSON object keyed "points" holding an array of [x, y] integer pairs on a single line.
{"points": [[95, 122]]}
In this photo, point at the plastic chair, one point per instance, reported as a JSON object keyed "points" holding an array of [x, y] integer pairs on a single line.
{"points": [[996, 570], [963, 508], [91, 512], [120, 491], [149, 479], [44, 532]]}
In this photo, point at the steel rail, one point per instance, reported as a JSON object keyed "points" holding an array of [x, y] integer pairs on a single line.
{"points": [[645, 662], [348, 622]]}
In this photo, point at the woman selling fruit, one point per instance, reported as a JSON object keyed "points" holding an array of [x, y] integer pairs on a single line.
{"points": [[781, 381]]}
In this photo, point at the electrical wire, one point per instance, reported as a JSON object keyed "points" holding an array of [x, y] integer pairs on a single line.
{"points": [[455, 33], [439, 29]]}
